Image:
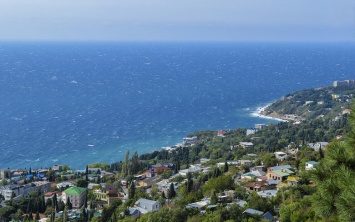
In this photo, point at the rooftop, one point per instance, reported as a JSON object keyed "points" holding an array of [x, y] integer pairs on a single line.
{"points": [[75, 190]]}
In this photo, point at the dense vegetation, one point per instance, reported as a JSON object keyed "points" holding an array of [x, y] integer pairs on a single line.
{"points": [[313, 103]]}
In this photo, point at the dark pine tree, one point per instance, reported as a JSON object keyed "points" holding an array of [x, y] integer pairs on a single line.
{"points": [[131, 190], [171, 192], [87, 173]]}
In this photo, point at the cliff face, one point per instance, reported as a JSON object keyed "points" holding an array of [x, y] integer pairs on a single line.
{"points": [[325, 102]]}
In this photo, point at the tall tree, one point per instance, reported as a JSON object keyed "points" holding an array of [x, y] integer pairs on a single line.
{"points": [[37, 216], [190, 182], [87, 173], [65, 214], [335, 177], [131, 190], [225, 167], [171, 192], [125, 165], [69, 204], [135, 163]]}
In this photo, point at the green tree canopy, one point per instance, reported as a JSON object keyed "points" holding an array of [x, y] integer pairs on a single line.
{"points": [[335, 177]]}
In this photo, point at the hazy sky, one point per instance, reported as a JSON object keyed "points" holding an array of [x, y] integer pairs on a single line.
{"points": [[178, 20]]}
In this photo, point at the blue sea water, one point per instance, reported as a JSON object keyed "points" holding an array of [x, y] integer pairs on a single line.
{"points": [[80, 103]]}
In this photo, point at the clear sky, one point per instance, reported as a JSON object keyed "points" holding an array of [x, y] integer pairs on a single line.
{"points": [[178, 20]]}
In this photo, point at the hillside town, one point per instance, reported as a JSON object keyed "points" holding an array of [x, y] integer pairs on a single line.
{"points": [[261, 174]]}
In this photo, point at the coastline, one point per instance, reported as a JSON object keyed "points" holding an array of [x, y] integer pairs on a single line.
{"points": [[259, 110]]}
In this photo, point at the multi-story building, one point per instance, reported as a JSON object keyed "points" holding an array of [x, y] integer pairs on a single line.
{"points": [[76, 196], [344, 83], [15, 190]]}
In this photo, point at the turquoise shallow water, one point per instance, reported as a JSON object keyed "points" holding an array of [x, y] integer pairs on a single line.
{"points": [[79, 103]]}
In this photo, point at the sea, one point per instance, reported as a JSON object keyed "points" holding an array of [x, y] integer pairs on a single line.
{"points": [[77, 103]]}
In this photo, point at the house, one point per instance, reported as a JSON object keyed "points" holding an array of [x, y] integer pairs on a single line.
{"points": [[252, 174], [200, 205], [57, 167], [159, 168], [193, 169], [246, 162], [265, 216], [107, 195], [189, 140], [92, 185], [225, 196], [247, 176], [260, 126], [246, 145], [221, 133], [64, 185], [76, 196], [280, 155], [145, 205], [134, 212], [293, 181], [279, 173], [164, 185], [267, 193], [311, 165], [251, 132], [146, 183], [50, 195], [229, 162], [257, 186], [259, 168], [318, 145], [257, 173]]}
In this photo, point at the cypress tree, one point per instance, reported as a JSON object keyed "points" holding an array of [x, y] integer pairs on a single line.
{"points": [[86, 200], [190, 182], [321, 153], [131, 190], [84, 215], [91, 204], [225, 167], [69, 204], [87, 173], [43, 202], [171, 192], [55, 202], [65, 213]]}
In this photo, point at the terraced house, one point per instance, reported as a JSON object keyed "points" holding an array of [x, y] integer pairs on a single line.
{"points": [[76, 196]]}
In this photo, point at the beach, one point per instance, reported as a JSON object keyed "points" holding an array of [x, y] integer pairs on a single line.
{"points": [[259, 113]]}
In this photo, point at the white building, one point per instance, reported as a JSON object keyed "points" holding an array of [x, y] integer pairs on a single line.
{"points": [[24, 190], [280, 155], [311, 165], [145, 205], [246, 145], [189, 140]]}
